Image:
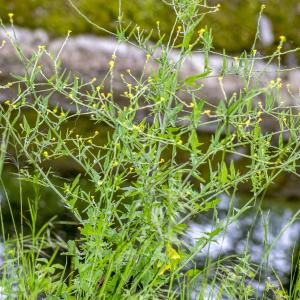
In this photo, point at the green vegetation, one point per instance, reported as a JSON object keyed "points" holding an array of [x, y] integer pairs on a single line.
{"points": [[234, 26], [131, 223]]}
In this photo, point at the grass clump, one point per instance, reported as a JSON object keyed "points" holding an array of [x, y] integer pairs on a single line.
{"points": [[146, 179]]}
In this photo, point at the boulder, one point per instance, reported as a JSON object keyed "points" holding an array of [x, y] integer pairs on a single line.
{"points": [[88, 56]]}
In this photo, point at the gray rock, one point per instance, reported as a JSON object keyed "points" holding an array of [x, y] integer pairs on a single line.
{"points": [[27, 40], [266, 31], [88, 56]]}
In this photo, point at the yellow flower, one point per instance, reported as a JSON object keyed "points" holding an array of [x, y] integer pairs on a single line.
{"points": [[201, 31], [282, 39], [111, 64], [172, 253], [164, 268], [248, 123], [7, 102], [207, 112], [10, 15], [45, 154], [41, 47]]}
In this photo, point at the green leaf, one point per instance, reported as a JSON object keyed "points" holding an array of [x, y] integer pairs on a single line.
{"points": [[75, 182], [192, 272], [224, 173], [26, 126], [232, 170], [191, 80], [212, 204], [213, 233], [232, 109], [193, 140]]}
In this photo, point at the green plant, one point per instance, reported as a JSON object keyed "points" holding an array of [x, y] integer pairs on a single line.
{"points": [[146, 179]]}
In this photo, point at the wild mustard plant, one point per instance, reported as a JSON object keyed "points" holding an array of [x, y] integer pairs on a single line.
{"points": [[147, 178]]}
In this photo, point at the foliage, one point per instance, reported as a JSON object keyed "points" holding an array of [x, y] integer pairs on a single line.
{"points": [[131, 239]]}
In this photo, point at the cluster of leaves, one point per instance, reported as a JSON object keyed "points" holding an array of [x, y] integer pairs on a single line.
{"points": [[132, 221]]}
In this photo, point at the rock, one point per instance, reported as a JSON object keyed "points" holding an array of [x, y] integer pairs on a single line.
{"points": [[88, 56], [266, 31], [27, 40]]}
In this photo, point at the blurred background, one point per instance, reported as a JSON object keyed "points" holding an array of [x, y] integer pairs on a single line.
{"points": [[234, 26]]}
